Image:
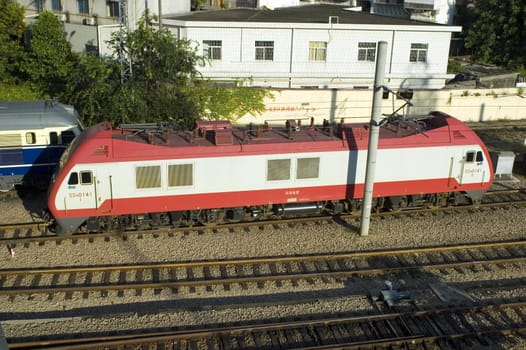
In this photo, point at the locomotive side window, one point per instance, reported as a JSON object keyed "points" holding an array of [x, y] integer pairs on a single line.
{"points": [[86, 178], [470, 156], [73, 179], [30, 138], [278, 169], [180, 175], [53, 138], [308, 168], [67, 136], [480, 158], [148, 176], [10, 140]]}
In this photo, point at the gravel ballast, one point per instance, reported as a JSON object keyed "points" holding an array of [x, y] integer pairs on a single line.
{"points": [[97, 312]]}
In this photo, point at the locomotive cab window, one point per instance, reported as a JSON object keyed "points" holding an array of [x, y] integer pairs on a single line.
{"points": [[479, 158], [86, 178], [73, 179], [470, 156], [278, 169]]}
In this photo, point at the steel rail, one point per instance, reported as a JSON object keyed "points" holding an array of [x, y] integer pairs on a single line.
{"points": [[24, 274], [418, 317], [46, 237]]}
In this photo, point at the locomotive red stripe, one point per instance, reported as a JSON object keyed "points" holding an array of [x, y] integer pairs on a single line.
{"points": [[138, 205]]}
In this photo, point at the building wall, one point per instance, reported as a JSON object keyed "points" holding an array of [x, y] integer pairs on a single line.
{"points": [[82, 29], [354, 105], [291, 67]]}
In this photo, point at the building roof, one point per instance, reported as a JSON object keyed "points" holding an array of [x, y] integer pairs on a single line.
{"points": [[311, 13]]}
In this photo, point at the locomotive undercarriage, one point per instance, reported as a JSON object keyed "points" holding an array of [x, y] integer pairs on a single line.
{"points": [[211, 217]]}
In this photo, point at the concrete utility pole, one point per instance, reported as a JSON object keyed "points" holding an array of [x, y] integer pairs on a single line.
{"points": [[160, 15], [374, 132]]}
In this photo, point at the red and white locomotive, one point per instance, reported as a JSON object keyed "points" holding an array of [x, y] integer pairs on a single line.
{"points": [[148, 175]]}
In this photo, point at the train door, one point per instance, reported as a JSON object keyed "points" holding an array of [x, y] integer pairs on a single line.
{"points": [[89, 190], [80, 191], [104, 191], [472, 169]]}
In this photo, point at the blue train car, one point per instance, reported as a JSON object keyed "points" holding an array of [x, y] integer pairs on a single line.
{"points": [[33, 136]]}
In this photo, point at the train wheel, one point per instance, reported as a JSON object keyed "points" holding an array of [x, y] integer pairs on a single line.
{"points": [[437, 200]]}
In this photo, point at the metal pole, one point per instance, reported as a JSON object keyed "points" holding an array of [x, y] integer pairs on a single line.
{"points": [[160, 14], [373, 138]]}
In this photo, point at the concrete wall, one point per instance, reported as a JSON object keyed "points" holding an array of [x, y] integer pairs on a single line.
{"points": [[355, 105]]}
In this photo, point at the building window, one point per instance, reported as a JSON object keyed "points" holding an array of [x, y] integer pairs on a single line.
{"points": [[278, 169], [366, 51], [113, 8], [265, 50], [39, 5], [418, 53], [83, 6], [212, 49], [246, 3], [317, 50], [56, 5], [148, 177]]}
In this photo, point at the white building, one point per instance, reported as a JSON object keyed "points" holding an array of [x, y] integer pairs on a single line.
{"points": [[438, 11], [89, 23], [316, 46]]}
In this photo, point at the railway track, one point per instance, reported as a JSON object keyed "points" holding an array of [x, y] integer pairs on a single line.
{"points": [[447, 328], [13, 235], [260, 271]]}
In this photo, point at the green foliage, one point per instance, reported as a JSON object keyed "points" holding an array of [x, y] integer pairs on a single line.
{"points": [[90, 87], [232, 103], [164, 76], [49, 59], [19, 92], [498, 33], [454, 67], [164, 85], [11, 39]]}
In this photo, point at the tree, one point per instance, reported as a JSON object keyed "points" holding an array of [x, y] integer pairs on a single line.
{"points": [[498, 33], [11, 39], [165, 84], [91, 86], [49, 59], [232, 102], [163, 76]]}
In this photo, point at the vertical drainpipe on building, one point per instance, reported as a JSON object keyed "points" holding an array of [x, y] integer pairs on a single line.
{"points": [[391, 57], [241, 46], [291, 56]]}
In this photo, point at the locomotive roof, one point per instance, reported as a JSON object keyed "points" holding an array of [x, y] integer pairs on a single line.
{"points": [[21, 115], [219, 137], [102, 143]]}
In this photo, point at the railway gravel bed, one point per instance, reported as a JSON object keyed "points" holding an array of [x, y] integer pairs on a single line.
{"points": [[40, 314]]}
